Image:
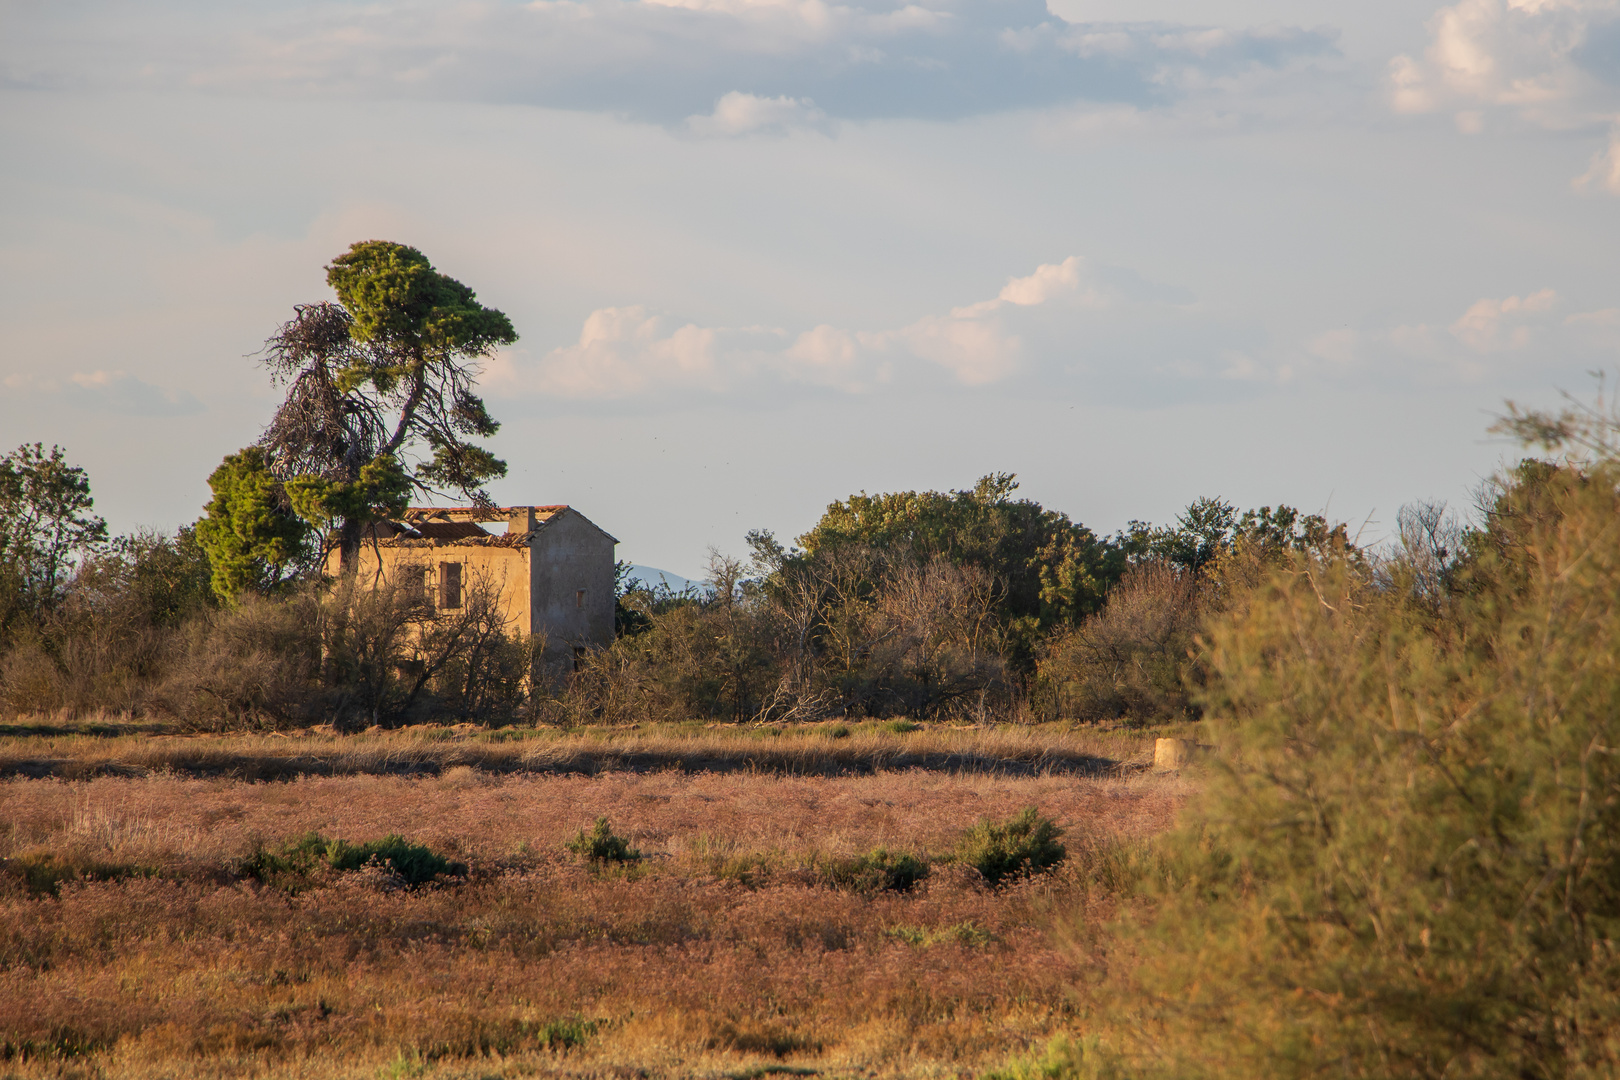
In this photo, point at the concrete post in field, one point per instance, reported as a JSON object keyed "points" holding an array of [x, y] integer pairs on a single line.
{"points": [[1175, 753]]}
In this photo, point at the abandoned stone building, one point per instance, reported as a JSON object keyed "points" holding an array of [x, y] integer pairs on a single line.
{"points": [[550, 565]]}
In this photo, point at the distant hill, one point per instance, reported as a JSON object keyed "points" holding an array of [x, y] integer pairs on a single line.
{"points": [[654, 578]]}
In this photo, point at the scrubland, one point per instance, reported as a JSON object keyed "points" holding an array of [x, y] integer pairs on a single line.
{"points": [[804, 824], [136, 944]]}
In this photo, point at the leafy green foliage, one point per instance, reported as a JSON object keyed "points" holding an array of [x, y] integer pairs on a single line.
{"points": [[396, 298], [380, 398], [45, 522], [1052, 570], [967, 933], [253, 538], [603, 845], [168, 578], [297, 861], [1024, 844], [1210, 526], [382, 490], [1132, 660]]}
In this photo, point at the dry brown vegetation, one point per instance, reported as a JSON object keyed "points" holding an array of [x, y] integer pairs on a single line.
{"points": [[78, 749], [135, 945]]}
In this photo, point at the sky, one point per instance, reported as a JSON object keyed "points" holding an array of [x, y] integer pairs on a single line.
{"points": [[762, 254]]}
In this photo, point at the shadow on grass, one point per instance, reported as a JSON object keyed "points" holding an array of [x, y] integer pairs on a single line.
{"points": [[431, 760]]}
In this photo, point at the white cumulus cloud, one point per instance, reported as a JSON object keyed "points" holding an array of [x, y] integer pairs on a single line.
{"points": [[738, 113], [1494, 325], [1491, 337], [623, 351], [1546, 61]]}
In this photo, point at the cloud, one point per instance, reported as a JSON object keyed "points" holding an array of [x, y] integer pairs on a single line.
{"points": [[110, 391], [763, 61], [1604, 172], [976, 349], [623, 351], [1493, 336], [1553, 63], [626, 351], [748, 114], [1496, 325]]}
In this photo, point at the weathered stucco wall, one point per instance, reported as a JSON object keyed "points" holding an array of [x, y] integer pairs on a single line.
{"points": [[503, 569], [571, 588], [558, 588]]}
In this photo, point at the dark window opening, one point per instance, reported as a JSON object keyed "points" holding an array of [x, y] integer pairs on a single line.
{"points": [[579, 599], [449, 584], [415, 583]]}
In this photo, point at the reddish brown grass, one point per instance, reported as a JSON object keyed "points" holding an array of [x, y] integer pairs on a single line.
{"points": [[182, 967]]}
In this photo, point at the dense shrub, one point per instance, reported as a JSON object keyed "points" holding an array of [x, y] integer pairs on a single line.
{"points": [[45, 872], [603, 845], [295, 863], [879, 870], [1407, 862], [253, 665], [1131, 659], [1024, 844]]}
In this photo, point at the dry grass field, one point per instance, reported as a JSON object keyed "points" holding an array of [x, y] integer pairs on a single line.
{"points": [[133, 941]]}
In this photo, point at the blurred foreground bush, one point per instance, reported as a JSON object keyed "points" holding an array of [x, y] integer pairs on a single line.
{"points": [[1407, 861]]}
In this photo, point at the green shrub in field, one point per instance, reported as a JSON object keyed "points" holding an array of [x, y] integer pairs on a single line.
{"points": [[967, 932], [749, 870], [1024, 844], [414, 863], [879, 870], [43, 873], [602, 844], [1064, 1059]]}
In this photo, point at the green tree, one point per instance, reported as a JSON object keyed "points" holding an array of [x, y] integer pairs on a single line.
{"points": [[380, 399], [1210, 527], [1051, 571], [45, 523], [253, 538], [167, 578]]}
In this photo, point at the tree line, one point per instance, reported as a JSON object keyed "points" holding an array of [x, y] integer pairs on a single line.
{"points": [[971, 602]]}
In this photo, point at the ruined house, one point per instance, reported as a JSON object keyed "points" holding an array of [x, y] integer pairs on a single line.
{"points": [[550, 566]]}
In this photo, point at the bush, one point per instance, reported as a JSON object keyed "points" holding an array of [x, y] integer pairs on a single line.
{"points": [[602, 844], [44, 873], [1025, 844], [251, 666], [305, 857], [1407, 863], [1133, 658], [880, 870]]}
